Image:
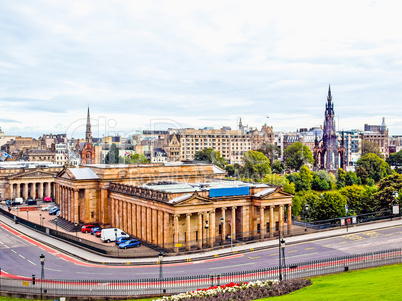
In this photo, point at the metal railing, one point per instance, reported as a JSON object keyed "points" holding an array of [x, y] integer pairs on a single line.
{"points": [[167, 286]]}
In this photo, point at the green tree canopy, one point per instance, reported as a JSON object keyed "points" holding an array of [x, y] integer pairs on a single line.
{"points": [[330, 205], [340, 178], [256, 165], [386, 189], [135, 158], [297, 155], [369, 147], [373, 167], [322, 180], [277, 166], [271, 151], [112, 157], [302, 198], [395, 160], [351, 179], [209, 155]]}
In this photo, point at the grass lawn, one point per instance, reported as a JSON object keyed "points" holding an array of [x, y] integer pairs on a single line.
{"points": [[370, 284]]}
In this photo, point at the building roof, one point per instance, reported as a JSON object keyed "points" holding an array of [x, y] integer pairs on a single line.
{"points": [[83, 173]]}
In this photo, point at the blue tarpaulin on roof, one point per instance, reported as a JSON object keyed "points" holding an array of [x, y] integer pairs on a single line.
{"points": [[229, 191]]}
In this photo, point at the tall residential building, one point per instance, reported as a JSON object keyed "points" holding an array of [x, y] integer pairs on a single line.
{"points": [[352, 144], [232, 144]]}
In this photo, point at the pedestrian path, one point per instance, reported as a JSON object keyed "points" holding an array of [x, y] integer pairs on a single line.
{"points": [[153, 258]]}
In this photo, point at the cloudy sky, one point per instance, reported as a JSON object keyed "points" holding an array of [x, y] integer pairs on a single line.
{"points": [[159, 64]]}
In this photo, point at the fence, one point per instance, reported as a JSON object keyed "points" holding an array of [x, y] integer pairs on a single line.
{"points": [[167, 286]]}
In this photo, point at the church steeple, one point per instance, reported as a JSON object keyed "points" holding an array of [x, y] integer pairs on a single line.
{"points": [[329, 107], [88, 134]]}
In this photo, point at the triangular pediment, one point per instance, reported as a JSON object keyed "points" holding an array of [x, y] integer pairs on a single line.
{"points": [[277, 193], [32, 174], [194, 199], [66, 174]]}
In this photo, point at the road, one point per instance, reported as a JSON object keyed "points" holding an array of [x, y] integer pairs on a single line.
{"points": [[19, 255]]}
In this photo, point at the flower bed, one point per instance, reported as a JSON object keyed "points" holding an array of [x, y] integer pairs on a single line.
{"points": [[242, 291]]}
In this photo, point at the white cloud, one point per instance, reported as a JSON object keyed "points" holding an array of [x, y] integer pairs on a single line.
{"points": [[200, 63]]}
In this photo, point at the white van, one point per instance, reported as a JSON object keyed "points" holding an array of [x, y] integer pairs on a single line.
{"points": [[18, 201], [108, 235]]}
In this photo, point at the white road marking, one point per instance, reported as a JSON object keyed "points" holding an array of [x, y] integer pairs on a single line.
{"points": [[233, 266], [53, 270], [13, 251], [21, 256], [31, 262], [305, 254]]}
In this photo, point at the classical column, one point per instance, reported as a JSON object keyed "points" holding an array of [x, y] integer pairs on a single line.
{"points": [[188, 231], [233, 228], [144, 222], [76, 211], [224, 224], [281, 221], [206, 230], [134, 219], [166, 227], [25, 191], [18, 190], [154, 239], [176, 232], [40, 192], [160, 227], [139, 221], [262, 222], [271, 221], [149, 224], [200, 227], [48, 190], [289, 219], [12, 191], [212, 229]]}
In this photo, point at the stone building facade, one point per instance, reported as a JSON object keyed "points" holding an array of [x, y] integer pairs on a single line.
{"points": [[172, 207]]}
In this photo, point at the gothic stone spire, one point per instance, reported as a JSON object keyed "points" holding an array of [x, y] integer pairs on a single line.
{"points": [[88, 133]]}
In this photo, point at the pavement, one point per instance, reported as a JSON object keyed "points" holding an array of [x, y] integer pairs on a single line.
{"points": [[83, 254]]}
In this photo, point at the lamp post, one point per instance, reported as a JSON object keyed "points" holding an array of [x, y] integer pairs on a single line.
{"points": [[206, 232], [56, 223], [160, 257], [115, 236], [306, 208], [282, 242], [347, 223], [40, 219], [27, 215], [222, 225], [76, 232], [280, 257], [42, 274]]}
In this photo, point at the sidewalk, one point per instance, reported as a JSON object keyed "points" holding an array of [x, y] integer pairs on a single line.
{"points": [[227, 251]]}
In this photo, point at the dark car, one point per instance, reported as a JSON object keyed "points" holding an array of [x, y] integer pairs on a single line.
{"points": [[31, 202], [121, 240], [87, 228], [132, 243], [53, 211], [95, 229]]}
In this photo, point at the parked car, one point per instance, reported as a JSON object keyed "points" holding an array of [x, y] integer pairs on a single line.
{"points": [[47, 199], [87, 228], [98, 233], [58, 213], [53, 211], [48, 207], [95, 229], [31, 202], [111, 234], [132, 243], [122, 239]]}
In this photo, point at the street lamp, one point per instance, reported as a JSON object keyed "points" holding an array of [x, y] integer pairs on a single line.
{"points": [[160, 257], [115, 235], [222, 223], [206, 230], [40, 219], [76, 232], [347, 224], [281, 255], [56, 223], [306, 208], [42, 274]]}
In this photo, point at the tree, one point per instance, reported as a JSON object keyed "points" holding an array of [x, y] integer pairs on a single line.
{"points": [[271, 151], [330, 205], [256, 165], [340, 178], [277, 166], [297, 155], [386, 189], [395, 160], [351, 179], [136, 158], [373, 167], [112, 157], [306, 177], [209, 155], [370, 147], [301, 199]]}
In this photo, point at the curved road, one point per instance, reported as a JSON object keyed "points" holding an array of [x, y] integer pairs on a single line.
{"points": [[19, 256]]}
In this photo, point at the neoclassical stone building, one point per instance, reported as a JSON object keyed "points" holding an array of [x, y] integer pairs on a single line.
{"points": [[28, 180], [173, 207]]}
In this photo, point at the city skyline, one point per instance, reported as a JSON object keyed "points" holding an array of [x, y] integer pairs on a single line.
{"points": [[141, 66]]}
